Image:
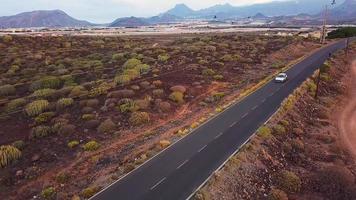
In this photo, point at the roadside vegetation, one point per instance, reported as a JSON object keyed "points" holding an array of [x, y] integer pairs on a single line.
{"points": [[344, 32]]}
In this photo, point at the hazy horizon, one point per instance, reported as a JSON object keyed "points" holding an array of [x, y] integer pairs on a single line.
{"points": [[105, 11]]}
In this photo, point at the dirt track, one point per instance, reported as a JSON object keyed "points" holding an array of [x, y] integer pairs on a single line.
{"points": [[347, 120]]}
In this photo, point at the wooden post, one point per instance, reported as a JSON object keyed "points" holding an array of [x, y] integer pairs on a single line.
{"points": [[317, 85]]}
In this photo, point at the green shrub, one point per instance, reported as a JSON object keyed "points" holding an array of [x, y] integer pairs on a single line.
{"points": [[279, 129], [285, 123], [44, 117], [40, 131], [7, 38], [48, 193], [7, 90], [107, 126], [8, 154], [89, 192], [78, 91], [208, 72], [227, 58], [88, 117], [343, 32], [276, 194], [132, 73], [177, 97], [288, 181], [19, 144], [129, 106], [73, 144], [139, 118], [163, 57], [311, 87], [91, 146], [36, 107], [62, 178], [132, 63], [218, 96], [118, 57], [46, 82], [122, 79], [64, 103], [264, 132], [44, 93], [15, 104], [100, 90], [218, 77]]}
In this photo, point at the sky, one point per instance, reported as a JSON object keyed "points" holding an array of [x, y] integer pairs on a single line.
{"points": [[105, 11]]}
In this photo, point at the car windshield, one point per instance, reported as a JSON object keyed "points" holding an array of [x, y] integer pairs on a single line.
{"points": [[281, 75]]}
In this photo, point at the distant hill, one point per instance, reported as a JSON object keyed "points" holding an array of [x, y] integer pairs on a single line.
{"points": [[41, 18], [180, 10], [163, 19], [345, 12], [129, 22]]}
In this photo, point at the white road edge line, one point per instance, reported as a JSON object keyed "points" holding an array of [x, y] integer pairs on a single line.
{"points": [[159, 182], [181, 165], [201, 149]]}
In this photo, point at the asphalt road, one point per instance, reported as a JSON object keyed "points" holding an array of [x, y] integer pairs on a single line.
{"points": [[180, 169]]}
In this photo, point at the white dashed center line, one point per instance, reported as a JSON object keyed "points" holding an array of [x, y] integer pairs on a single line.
{"points": [[159, 182], [245, 115], [182, 164], [254, 108], [201, 149], [220, 134]]}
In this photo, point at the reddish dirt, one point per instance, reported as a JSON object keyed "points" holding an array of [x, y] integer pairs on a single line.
{"points": [[347, 119]]}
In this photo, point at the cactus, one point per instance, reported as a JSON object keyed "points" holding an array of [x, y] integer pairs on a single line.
{"points": [[91, 146], [36, 107], [139, 118], [8, 154], [64, 102], [7, 90]]}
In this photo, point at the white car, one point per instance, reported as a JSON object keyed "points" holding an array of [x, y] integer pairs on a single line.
{"points": [[281, 78]]}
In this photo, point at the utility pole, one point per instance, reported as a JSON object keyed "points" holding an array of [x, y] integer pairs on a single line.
{"points": [[323, 29]]}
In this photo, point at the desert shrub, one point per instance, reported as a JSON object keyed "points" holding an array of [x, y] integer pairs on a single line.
{"points": [[121, 94], [163, 58], [64, 103], [218, 96], [325, 68], [8, 154], [7, 90], [276, 194], [99, 90], [73, 144], [208, 72], [132, 63], [44, 117], [325, 77], [66, 129], [130, 106], [158, 92], [87, 110], [288, 181], [91, 146], [288, 103], [122, 79], [343, 32], [68, 80], [78, 91], [227, 58], [285, 123], [48, 193], [92, 103], [218, 77], [132, 73], [143, 103], [36, 107], [279, 129], [157, 83], [92, 124], [89, 192], [40, 131], [311, 86], [118, 57], [44, 93], [177, 97], [6, 38], [143, 68], [164, 106], [139, 118], [19, 144], [264, 132], [164, 143], [51, 82], [178, 88], [107, 126], [62, 178], [15, 104], [88, 117]]}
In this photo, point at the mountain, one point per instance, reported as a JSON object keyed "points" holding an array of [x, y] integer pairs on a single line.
{"points": [[41, 18], [163, 19], [180, 10], [274, 8], [129, 22]]}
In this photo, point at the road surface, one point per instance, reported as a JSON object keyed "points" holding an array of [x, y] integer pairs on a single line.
{"points": [[179, 170]]}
